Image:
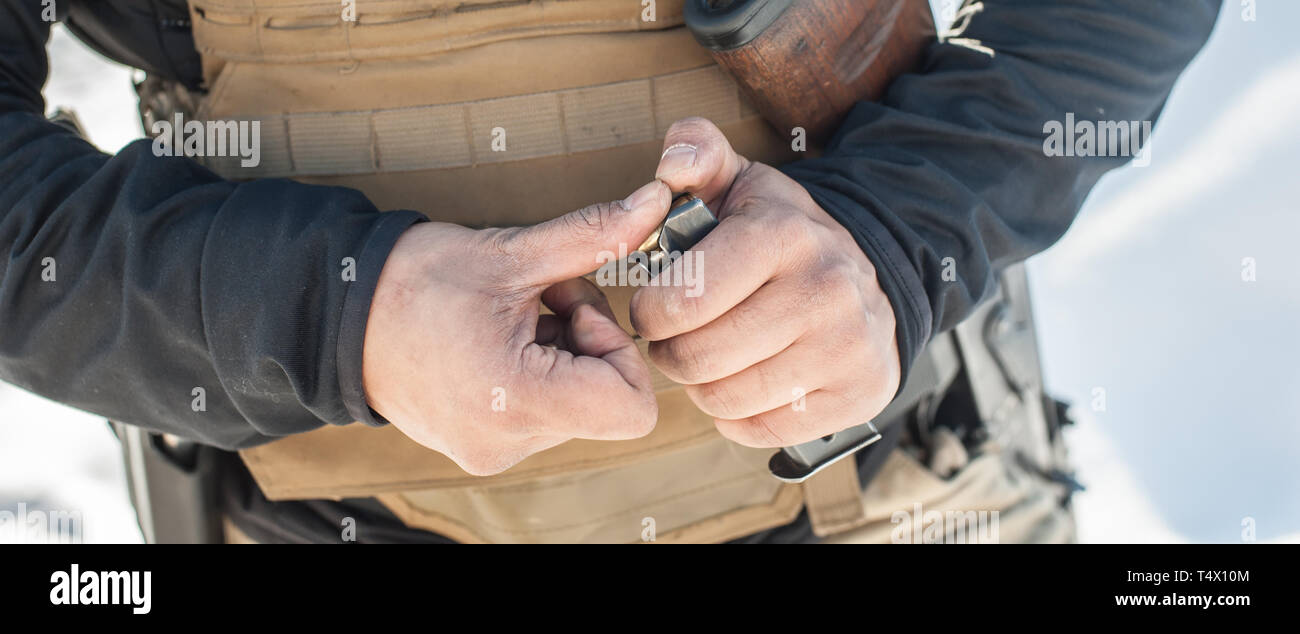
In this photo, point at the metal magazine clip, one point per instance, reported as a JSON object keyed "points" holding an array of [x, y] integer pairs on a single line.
{"points": [[687, 222], [803, 461]]}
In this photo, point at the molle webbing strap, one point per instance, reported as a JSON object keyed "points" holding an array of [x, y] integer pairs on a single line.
{"points": [[288, 31], [487, 131], [833, 498]]}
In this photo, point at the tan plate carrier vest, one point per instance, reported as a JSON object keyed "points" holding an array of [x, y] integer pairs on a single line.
{"points": [[404, 104]]}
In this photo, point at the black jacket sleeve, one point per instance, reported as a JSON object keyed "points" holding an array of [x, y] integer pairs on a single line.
{"points": [[129, 283], [951, 163]]}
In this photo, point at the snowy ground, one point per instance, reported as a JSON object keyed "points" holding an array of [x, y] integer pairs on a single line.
{"points": [[1143, 298]]}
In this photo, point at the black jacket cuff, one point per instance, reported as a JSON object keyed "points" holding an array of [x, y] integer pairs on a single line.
{"points": [[356, 311]]}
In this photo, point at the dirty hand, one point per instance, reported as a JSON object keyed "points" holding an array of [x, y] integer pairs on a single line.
{"points": [[458, 358], [792, 337]]}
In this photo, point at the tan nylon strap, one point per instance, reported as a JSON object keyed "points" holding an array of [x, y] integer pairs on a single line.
{"points": [[474, 132], [286, 31], [833, 498]]}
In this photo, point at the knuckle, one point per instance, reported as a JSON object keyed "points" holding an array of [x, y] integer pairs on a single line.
{"points": [[645, 311], [774, 383], [752, 316], [758, 432], [635, 416], [472, 461], [772, 432], [591, 220], [788, 232], [767, 432], [831, 284], [477, 469], [719, 399], [488, 461], [685, 310], [751, 224], [683, 358], [643, 420], [795, 230], [839, 281], [659, 311], [756, 226]]}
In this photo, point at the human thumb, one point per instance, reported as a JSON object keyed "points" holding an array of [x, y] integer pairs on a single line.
{"points": [[580, 241]]}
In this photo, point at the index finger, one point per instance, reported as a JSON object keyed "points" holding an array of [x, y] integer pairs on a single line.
{"points": [[689, 294]]}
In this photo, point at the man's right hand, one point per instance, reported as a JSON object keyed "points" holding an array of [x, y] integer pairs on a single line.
{"points": [[458, 357]]}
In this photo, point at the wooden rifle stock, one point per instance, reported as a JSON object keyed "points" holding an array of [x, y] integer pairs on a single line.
{"points": [[804, 63]]}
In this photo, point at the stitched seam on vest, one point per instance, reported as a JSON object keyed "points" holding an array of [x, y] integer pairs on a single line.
{"points": [[610, 516], [544, 133], [449, 25], [533, 486], [416, 49], [564, 128], [257, 33], [778, 511], [654, 113], [469, 481]]}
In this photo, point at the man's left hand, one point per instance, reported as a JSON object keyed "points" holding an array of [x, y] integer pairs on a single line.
{"points": [[792, 338]]}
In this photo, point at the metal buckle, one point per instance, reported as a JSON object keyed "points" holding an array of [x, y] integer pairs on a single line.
{"points": [[803, 461]]}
